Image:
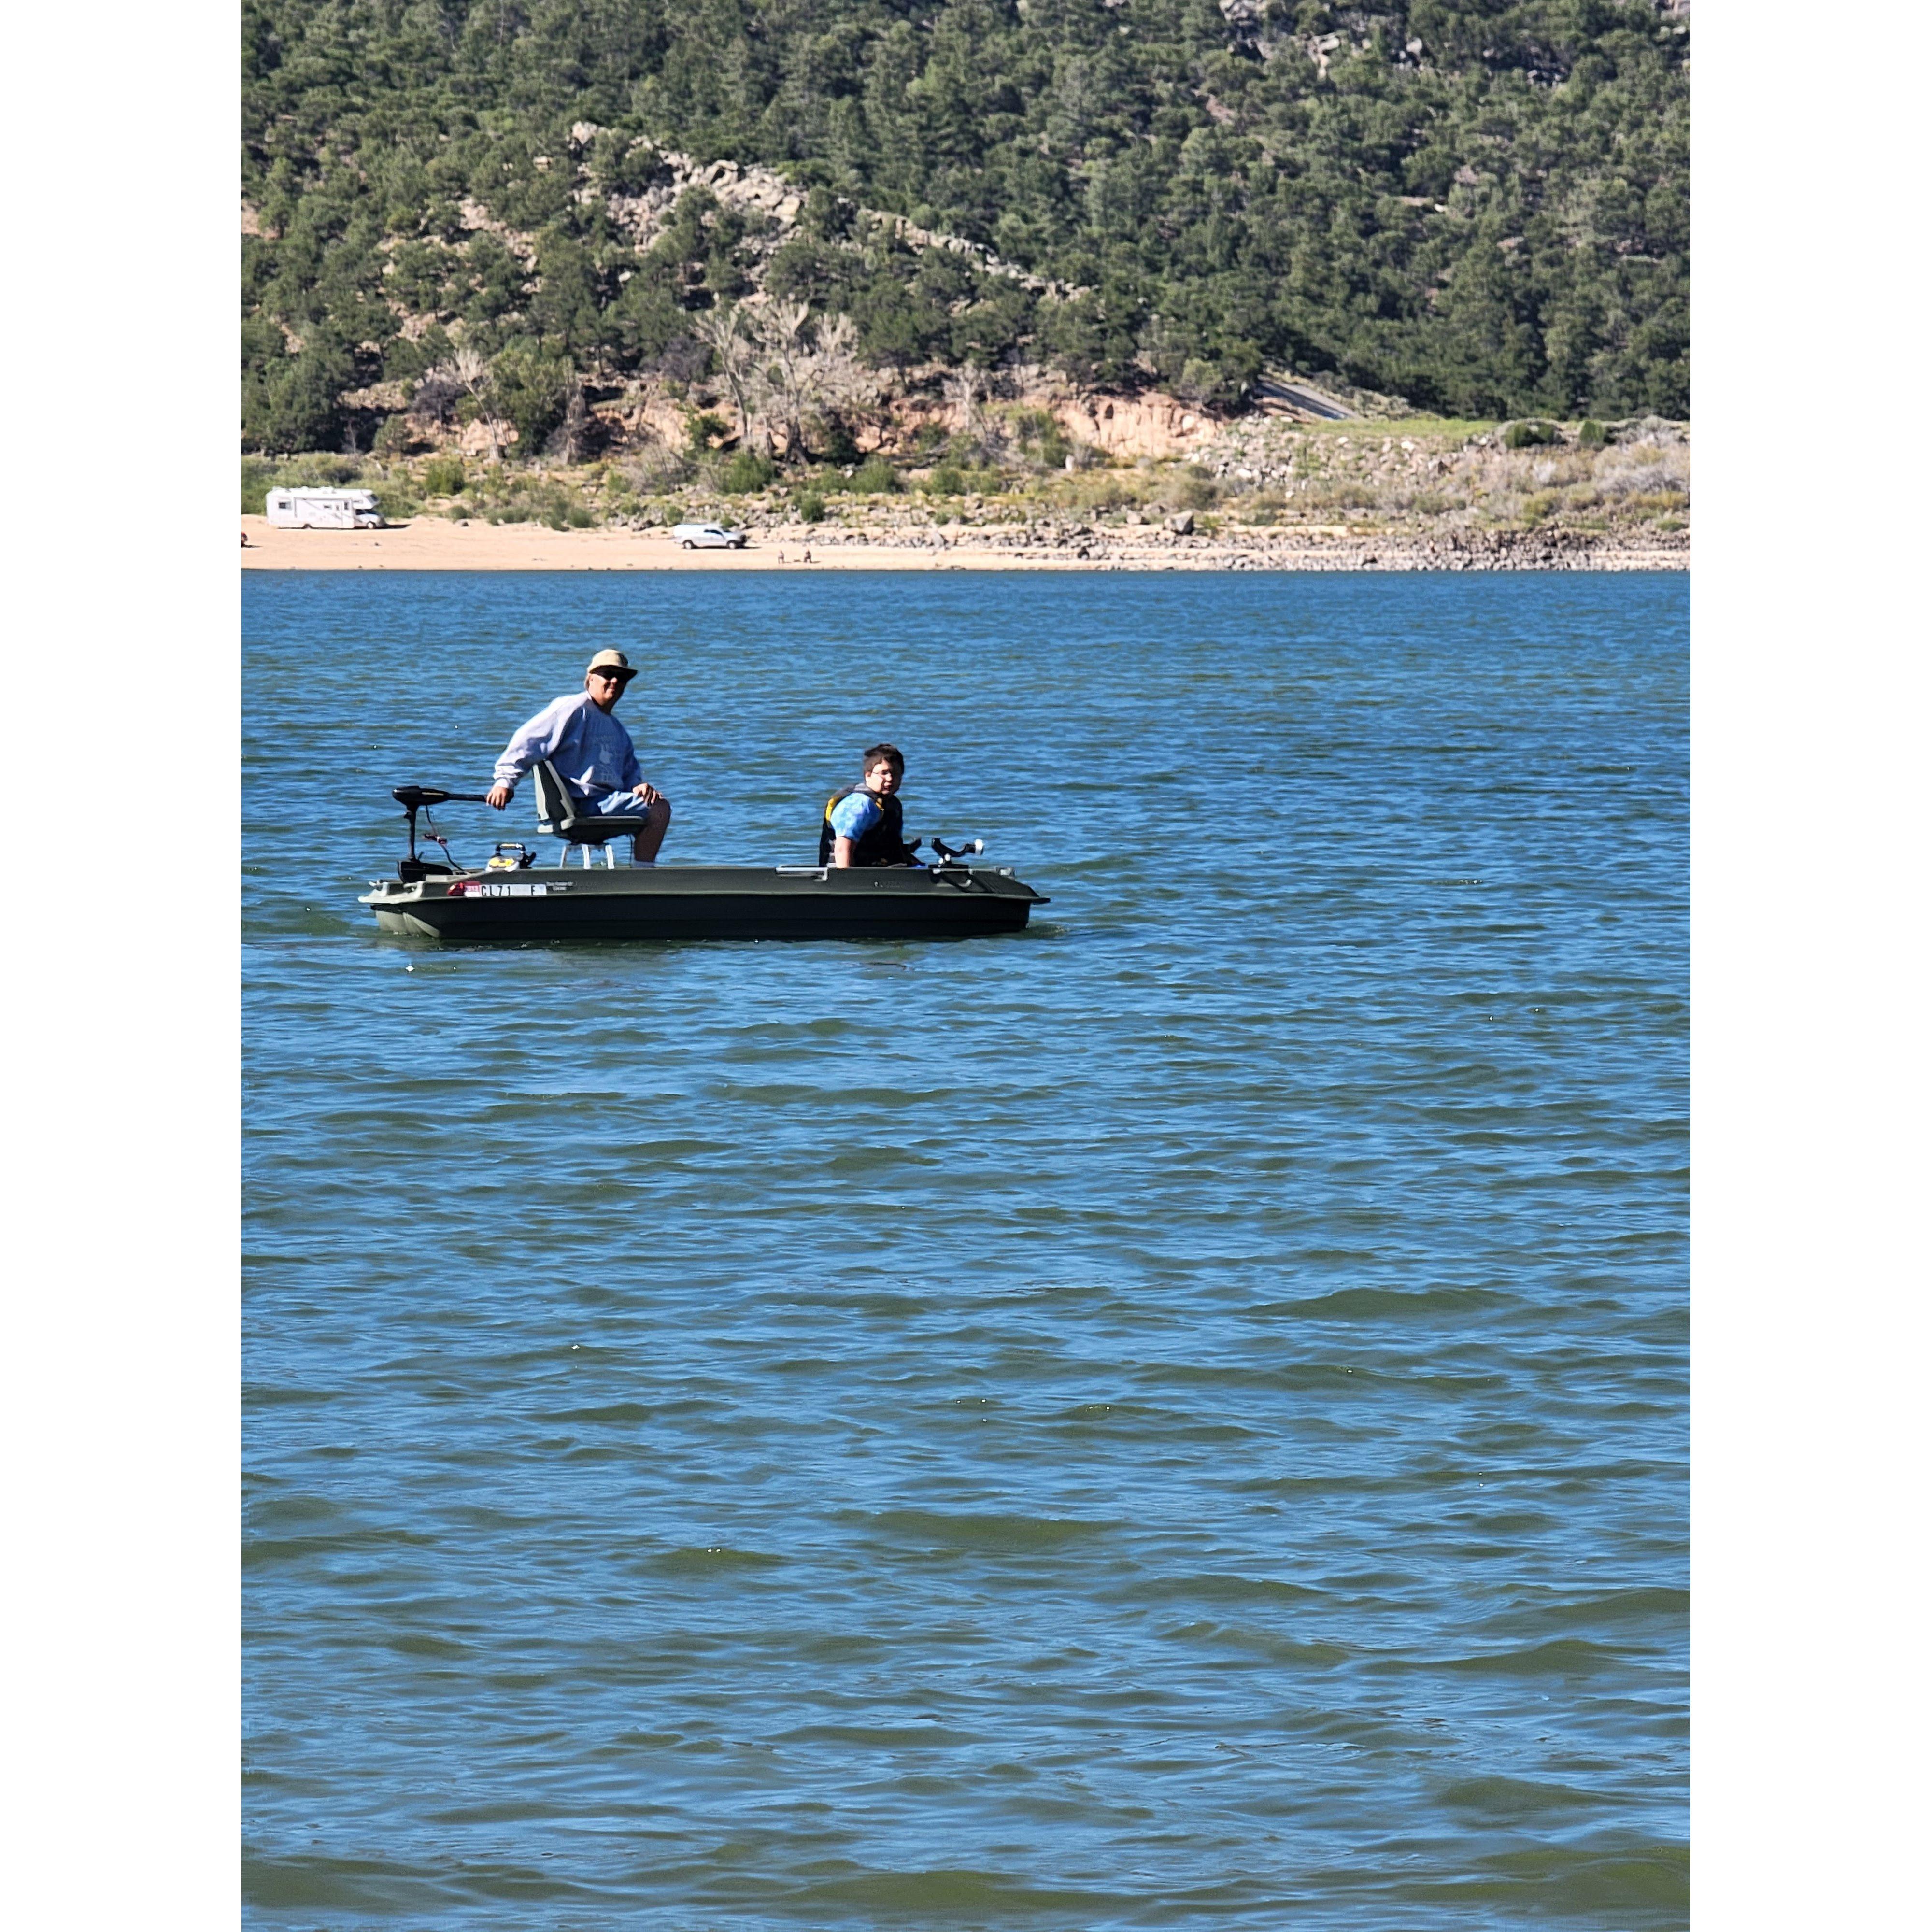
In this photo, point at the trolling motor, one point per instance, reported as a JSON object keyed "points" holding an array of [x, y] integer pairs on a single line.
{"points": [[414, 799]]}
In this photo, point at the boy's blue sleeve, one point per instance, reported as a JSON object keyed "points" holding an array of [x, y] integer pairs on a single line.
{"points": [[854, 817]]}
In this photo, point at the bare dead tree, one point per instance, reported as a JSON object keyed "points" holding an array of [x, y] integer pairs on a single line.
{"points": [[576, 424], [784, 370], [435, 396], [471, 371], [965, 386], [832, 380], [966, 389], [736, 357], [778, 370]]}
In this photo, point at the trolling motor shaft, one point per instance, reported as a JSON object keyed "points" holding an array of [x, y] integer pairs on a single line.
{"points": [[414, 799]]}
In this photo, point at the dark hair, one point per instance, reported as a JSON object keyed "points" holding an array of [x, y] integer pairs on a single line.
{"points": [[891, 753]]}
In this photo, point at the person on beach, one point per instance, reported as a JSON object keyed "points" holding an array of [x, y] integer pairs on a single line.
{"points": [[594, 754], [864, 823]]}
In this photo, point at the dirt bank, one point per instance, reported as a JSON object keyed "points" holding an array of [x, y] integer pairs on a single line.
{"points": [[431, 543]]}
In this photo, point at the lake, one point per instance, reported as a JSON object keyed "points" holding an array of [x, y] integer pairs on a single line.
{"points": [[1176, 1417]]}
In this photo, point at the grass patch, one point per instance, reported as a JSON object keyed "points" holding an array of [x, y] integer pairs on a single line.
{"points": [[1458, 429], [1344, 495]]}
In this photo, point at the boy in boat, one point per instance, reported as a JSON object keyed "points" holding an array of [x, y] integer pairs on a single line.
{"points": [[864, 824], [594, 753]]}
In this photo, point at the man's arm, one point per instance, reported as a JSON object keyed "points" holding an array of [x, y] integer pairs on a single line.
{"points": [[841, 850], [543, 737]]}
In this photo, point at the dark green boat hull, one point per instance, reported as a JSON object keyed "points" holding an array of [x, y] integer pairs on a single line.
{"points": [[705, 902]]}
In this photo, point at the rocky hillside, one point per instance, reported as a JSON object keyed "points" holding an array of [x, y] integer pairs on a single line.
{"points": [[578, 221]]}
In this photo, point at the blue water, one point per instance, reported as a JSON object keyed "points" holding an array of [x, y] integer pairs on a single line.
{"points": [[1175, 1417]]}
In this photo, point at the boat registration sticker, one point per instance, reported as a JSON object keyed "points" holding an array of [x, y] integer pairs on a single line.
{"points": [[498, 888]]}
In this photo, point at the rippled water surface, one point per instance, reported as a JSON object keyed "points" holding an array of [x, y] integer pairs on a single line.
{"points": [[1176, 1417]]}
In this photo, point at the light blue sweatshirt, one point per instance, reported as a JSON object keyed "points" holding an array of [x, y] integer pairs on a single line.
{"points": [[592, 751]]}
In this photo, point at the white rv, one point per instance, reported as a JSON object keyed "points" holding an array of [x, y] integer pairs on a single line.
{"points": [[318, 509]]}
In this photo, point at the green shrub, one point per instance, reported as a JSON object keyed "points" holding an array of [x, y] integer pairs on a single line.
{"points": [[946, 481], [310, 472], [705, 430], [875, 477], [1531, 435], [1038, 431], [811, 508], [747, 471], [442, 476], [1194, 490], [835, 444], [1347, 495], [392, 436], [256, 475], [1102, 489], [530, 385], [396, 504], [1591, 436]]}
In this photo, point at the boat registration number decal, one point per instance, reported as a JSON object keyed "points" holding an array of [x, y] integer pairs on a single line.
{"points": [[498, 888]]}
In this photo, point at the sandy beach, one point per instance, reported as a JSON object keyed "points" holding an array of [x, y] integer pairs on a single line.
{"points": [[432, 543]]}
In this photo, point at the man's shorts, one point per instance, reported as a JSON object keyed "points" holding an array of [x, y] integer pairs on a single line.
{"points": [[619, 805]]}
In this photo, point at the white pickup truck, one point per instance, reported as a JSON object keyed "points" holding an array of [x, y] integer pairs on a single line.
{"points": [[707, 536]]}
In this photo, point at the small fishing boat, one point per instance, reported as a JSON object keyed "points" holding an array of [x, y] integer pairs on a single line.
{"points": [[512, 897]]}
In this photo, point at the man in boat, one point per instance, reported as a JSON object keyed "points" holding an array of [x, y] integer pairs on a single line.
{"points": [[864, 824], [594, 753]]}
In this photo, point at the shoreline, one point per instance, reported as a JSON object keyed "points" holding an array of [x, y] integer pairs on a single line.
{"points": [[434, 543]]}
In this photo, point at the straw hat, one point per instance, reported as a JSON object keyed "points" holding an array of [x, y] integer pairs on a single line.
{"points": [[612, 661]]}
